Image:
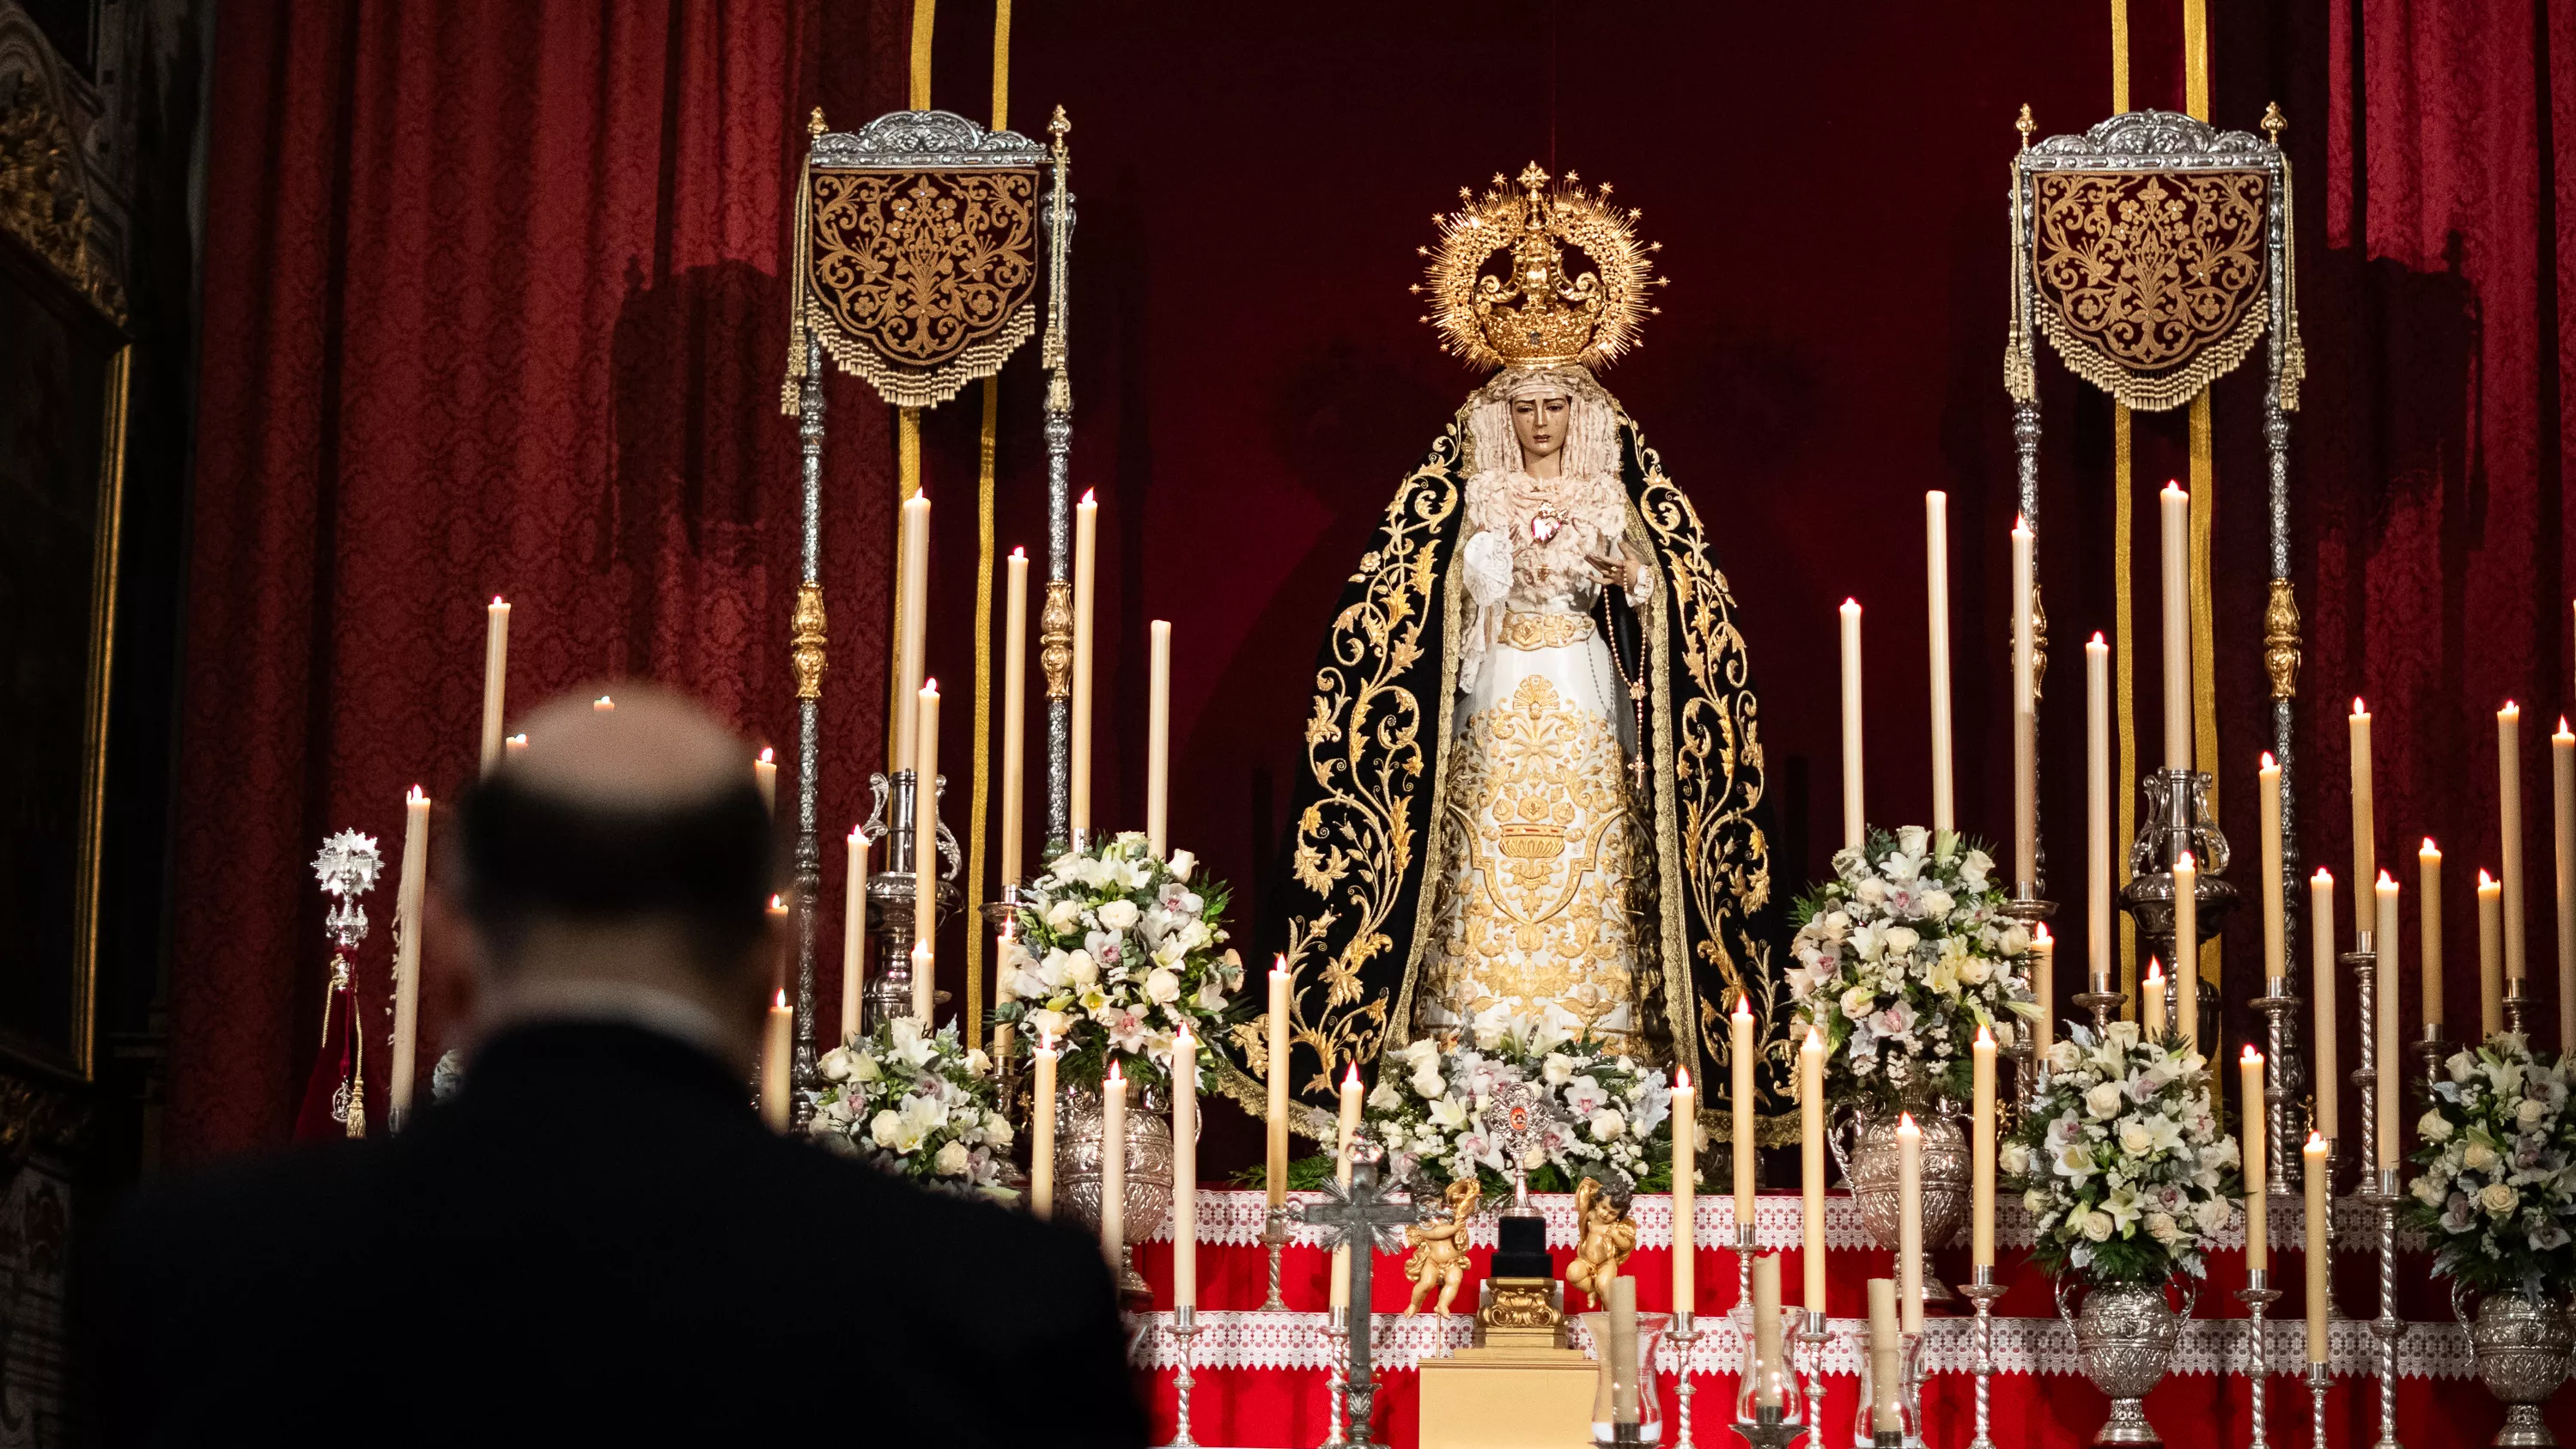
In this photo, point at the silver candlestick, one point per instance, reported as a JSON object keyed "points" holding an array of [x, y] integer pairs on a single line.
{"points": [[1982, 1292], [2387, 1327], [1684, 1335], [1337, 1330], [2177, 819], [1274, 1236], [1185, 1327], [2282, 1071], [2433, 1046], [2256, 1295], [2363, 962], [2515, 1004], [1746, 1248], [2027, 908], [2320, 1379], [1811, 1367]]}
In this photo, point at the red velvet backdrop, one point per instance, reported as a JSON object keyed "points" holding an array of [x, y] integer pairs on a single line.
{"points": [[494, 306]]}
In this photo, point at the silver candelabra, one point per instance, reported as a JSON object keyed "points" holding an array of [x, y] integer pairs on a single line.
{"points": [[893, 831], [1982, 1291], [2381, 1190], [1185, 1327], [2257, 1294]]}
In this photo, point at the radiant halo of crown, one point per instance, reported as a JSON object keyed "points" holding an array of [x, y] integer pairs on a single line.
{"points": [[1535, 313]]}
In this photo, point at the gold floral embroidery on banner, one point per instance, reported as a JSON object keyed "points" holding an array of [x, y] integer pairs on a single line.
{"points": [[1535, 906], [921, 281], [1545, 631], [2151, 284]]}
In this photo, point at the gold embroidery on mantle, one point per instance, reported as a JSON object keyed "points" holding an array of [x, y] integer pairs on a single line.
{"points": [[1545, 631], [1535, 906], [2150, 284]]}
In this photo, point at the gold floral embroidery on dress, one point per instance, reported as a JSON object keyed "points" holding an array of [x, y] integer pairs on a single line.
{"points": [[1717, 781], [1540, 834], [2150, 284], [1545, 631], [1364, 748]]}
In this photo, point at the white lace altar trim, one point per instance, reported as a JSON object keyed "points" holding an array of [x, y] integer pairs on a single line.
{"points": [[1243, 1339], [1231, 1218]]}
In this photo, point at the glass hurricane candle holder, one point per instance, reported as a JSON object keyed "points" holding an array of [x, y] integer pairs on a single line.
{"points": [[1607, 1426], [1768, 1409], [1909, 1428]]}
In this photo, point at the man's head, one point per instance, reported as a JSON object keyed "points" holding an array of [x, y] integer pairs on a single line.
{"points": [[622, 861]]}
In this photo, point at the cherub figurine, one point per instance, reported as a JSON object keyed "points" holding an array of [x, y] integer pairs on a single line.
{"points": [[1608, 1237], [1440, 1248]]}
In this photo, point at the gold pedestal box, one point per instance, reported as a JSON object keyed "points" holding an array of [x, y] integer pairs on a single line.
{"points": [[1520, 1387], [1508, 1398]]}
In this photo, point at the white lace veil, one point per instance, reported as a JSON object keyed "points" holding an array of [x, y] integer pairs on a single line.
{"points": [[1592, 434]]}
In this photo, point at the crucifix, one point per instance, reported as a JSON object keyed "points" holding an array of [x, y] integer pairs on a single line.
{"points": [[1369, 1224]]}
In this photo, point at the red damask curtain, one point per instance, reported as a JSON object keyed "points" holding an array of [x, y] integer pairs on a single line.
{"points": [[493, 305]]}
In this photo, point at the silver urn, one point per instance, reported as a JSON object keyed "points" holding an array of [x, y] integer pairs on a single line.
{"points": [[1871, 1170], [2522, 1346], [1149, 1167], [2124, 1336]]}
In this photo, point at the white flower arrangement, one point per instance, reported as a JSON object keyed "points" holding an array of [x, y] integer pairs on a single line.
{"points": [[2122, 1163], [1606, 1111], [925, 1107], [2498, 1189], [1115, 952], [1900, 958]]}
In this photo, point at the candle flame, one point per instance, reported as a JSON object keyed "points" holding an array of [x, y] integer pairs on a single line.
{"points": [[2510, 708], [2384, 882], [416, 797], [1851, 606], [2359, 710], [2020, 524], [500, 603], [2485, 881], [1815, 1039], [603, 704], [1279, 965], [1021, 554], [2096, 642], [1046, 1042], [779, 1002], [2429, 847], [777, 905], [2323, 876], [1350, 1076], [768, 756], [1743, 1004], [858, 835], [2562, 728], [1986, 1037], [2186, 862], [1681, 1079], [2268, 762], [2316, 1142], [518, 741], [2251, 1057], [1185, 1035], [2039, 936], [2174, 486], [1116, 1075], [1905, 1123], [1088, 498], [2155, 970], [921, 950], [930, 687]]}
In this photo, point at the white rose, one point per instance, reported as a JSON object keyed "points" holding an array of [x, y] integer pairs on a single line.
{"points": [[2530, 1111], [886, 1129], [1902, 939], [1061, 915], [2212, 1213], [1117, 915], [2062, 1056], [1937, 904], [997, 1129], [2434, 1127], [2034, 1202], [1080, 971], [835, 1065], [2121, 1035], [1607, 1125], [2161, 1227], [2098, 1225], [1859, 1002], [1182, 863], [2479, 1157], [2014, 1159], [2104, 1100], [2136, 1140], [951, 1161], [1384, 1097], [1975, 969], [2499, 1199], [1557, 1070], [1162, 987], [1426, 1081]]}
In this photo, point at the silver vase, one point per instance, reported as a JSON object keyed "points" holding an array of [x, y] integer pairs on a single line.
{"points": [[2522, 1346], [2124, 1336], [1149, 1169], [1871, 1170]]}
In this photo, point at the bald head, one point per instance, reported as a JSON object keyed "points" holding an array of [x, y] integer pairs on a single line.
{"points": [[655, 750], [641, 826]]}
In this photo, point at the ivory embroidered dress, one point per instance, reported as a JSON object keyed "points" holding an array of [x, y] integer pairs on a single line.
{"points": [[1523, 789], [1539, 838]]}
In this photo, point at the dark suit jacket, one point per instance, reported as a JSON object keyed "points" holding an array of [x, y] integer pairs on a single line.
{"points": [[597, 1243]]}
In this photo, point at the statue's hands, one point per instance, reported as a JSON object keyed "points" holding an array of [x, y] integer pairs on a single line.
{"points": [[1612, 569]]}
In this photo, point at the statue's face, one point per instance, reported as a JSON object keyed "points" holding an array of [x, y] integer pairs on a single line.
{"points": [[1541, 423]]}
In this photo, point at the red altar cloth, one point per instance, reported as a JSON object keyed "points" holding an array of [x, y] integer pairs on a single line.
{"points": [[2043, 1402]]}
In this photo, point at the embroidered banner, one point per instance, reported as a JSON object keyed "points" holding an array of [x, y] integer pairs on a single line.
{"points": [[2150, 284]]}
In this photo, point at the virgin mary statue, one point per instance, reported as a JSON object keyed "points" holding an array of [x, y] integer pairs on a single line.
{"points": [[1533, 781]]}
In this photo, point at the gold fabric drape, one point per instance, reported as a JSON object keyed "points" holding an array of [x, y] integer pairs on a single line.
{"points": [[984, 603]]}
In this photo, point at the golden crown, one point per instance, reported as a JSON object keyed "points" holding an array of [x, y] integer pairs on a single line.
{"points": [[1536, 314]]}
